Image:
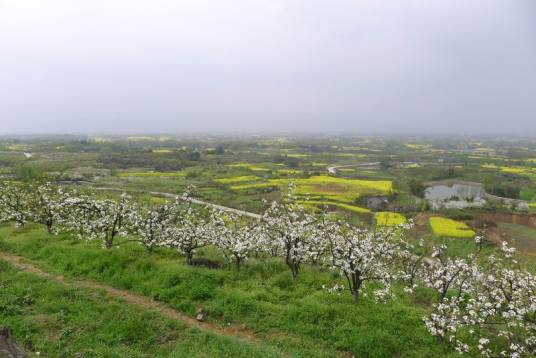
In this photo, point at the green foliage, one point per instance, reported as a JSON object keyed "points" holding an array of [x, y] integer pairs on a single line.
{"points": [[457, 214], [29, 173], [416, 187], [526, 194]]}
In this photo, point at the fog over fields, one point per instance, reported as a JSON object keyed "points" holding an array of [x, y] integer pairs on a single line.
{"points": [[138, 66]]}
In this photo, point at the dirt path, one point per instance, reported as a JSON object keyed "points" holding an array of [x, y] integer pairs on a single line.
{"points": [[421, 219], [132, 298], [494, 236], [421, 224]]}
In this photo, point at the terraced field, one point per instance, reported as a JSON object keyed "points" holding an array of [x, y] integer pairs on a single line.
{"points": [[319, 190]]}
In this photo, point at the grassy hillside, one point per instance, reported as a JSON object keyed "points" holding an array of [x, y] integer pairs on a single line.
{"points": [[53, 320], [301, 319]]}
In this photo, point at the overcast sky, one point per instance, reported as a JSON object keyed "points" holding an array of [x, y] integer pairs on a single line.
{"points": [[133, 66]]}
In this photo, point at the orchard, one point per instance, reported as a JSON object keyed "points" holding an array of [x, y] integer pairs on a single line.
{"points": [[484, 306]]}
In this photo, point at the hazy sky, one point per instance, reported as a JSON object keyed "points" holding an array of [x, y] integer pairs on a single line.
{"points": [[125, 66]]}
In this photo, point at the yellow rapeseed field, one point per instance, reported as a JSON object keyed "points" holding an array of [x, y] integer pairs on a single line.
{"points": [[327, 187], [385, 218], [518, 170], [450, 228]]}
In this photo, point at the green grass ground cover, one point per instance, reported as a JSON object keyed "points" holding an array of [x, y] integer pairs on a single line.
{"points": [[262, 296], [61, 321]]}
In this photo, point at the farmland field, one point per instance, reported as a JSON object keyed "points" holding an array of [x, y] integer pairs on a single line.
{"points": [[389, 219], [523, 237], [376, 185], [450, 228]]}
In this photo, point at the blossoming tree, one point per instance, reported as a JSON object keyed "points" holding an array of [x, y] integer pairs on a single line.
{"points": [[14, 202]]}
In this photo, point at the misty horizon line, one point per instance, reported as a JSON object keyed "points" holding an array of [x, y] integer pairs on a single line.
{"points": [[312, 133]]}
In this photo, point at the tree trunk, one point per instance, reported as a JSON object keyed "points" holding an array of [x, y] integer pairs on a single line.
{"points": [[108, 242], [294, 269], [356, 285], [49, 227], [189, 257]]}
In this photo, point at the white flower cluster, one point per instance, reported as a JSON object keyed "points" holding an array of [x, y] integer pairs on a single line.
{"points": [[235, 237], [498, 305], [99, 219], [288, 228], [14, 203]]}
